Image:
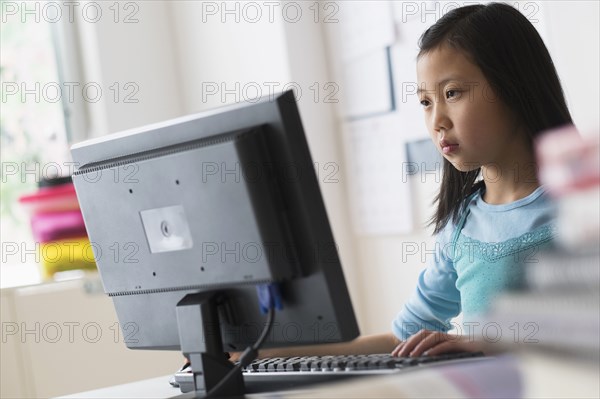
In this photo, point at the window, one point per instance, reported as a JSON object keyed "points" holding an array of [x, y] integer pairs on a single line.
{"points": [[32, 127]]}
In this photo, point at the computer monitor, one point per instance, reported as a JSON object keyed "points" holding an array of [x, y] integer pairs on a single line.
{"points": [[188, 216]]}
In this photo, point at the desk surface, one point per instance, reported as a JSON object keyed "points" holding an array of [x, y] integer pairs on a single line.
{"points": [[523, 376], [158, 387]]}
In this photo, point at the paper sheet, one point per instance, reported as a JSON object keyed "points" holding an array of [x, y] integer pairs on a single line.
{"points": [[378, 187], [363, 26], [408, 107], [366, 87]]}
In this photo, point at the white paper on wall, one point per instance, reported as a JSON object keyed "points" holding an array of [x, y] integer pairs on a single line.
{"points": [[363, 26], [408, 107], [378, 184], [366, 88]]}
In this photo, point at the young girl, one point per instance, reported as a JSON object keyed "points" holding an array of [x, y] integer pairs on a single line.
{"points": [[488, 86]]}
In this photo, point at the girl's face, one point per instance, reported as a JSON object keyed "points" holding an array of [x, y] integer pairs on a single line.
{"points": [[468, 123]]}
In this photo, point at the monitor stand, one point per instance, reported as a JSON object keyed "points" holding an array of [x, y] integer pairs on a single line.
{"points": [[200, 340]]}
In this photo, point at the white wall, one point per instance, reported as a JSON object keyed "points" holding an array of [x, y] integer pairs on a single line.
{"points": [[224, 62], [574, 40], [133, 63]]}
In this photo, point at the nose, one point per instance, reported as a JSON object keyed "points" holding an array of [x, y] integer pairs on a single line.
{"points": [[441, 120]]}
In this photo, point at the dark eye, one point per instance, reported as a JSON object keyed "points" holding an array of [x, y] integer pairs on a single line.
{"points": [[452, 94], [424, 103]]}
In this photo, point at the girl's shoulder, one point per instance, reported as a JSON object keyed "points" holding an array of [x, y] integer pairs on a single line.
{"points": [[445, 235], [536, 199]]}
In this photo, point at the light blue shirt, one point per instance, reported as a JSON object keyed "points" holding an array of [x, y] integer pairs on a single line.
{"points": [[476, 259]]}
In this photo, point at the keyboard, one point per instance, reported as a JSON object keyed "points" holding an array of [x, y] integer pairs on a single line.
{"points": [[281, 373]]}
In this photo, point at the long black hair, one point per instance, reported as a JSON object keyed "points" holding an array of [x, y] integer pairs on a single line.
{"points": [[513, 58]]}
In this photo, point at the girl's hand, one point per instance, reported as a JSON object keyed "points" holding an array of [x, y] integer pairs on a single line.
{"points": [[234, 356], [431, 343]]}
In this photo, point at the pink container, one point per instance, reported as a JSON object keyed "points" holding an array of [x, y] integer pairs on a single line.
{"points": [[54, 226], [51, 199]]}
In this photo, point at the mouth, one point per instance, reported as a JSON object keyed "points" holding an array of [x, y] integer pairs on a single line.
{"points": [[448, 147]]}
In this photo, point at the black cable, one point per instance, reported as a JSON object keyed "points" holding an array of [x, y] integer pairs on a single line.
{"points": [[247, 356], [265, 333]]}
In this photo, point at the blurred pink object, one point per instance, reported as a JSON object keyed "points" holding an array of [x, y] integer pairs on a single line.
{"points": [[51, 199], [567, 160], [54, 226], [570, 169]]}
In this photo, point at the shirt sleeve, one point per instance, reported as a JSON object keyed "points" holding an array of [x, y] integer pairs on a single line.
{"points": [[436, 300]]}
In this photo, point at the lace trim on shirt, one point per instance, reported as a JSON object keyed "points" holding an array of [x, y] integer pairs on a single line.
{"points": [[495, 251]]}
